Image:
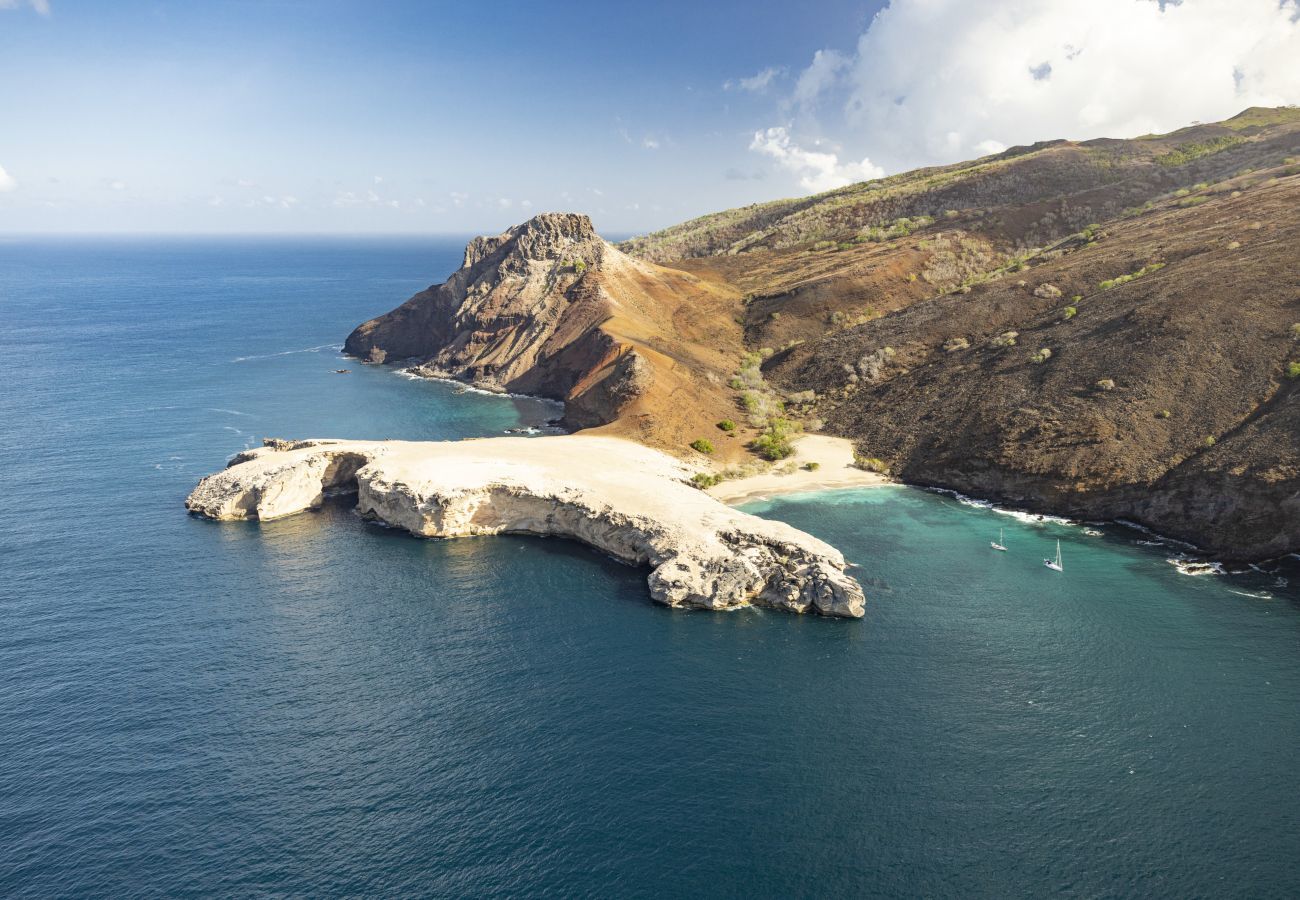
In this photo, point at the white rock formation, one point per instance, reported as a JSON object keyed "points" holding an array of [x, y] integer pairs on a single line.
{"points": [[625, 499]]}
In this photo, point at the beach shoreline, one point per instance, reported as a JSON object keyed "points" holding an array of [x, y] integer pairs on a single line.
{"points": [[835, 471]]}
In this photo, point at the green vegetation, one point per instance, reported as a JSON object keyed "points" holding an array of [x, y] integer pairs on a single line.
{"points": [[1163, 414], [1125, 279], [1295, 331], [1193, 201], [1185, 153], [703, 445], [899, 228], [871, 464], [579, 266], [774, 443], [1293, 369], [1070, 313], [1042, 355], [727, 425], [1209, 440], [703, 480], [1106, 384], [812, 466]]}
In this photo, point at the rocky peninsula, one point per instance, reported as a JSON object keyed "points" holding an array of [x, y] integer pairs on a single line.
{"points": [[622, 498]]}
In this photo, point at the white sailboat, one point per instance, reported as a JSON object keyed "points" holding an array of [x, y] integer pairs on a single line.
{"points": [[1055, 564], [998, 545]]}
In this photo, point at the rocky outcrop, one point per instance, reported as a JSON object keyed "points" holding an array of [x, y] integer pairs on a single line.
{"points": [[547, 308], [624, 499]]}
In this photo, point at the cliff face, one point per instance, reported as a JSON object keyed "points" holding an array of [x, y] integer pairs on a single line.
{"points": [[623, 499], [550, 308]]}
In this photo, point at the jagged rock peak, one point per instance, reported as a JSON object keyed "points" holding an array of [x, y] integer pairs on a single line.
{"points": [[546, 236]]}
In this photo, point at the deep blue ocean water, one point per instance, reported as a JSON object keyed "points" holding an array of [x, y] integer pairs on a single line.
{"points": [[320, 706]]}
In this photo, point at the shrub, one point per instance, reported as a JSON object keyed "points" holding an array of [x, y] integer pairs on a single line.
{"points": [[1005, 339], [774, 443], [1070, 312], [703, 445], [1076, 298], [1042, 355], [1047, 291], [1163, 414], [812, 466], [579, 266], [1295, 331], [1125, 279], [703, 480], [1293, 369], [802, 397], [953, 344], [1106, 384], [1193, 201], [1234, 245], [1209, 440], [727, 425], [871, 464]]}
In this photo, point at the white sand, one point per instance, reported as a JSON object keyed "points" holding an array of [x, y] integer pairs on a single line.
{"points": [[835, 470]]}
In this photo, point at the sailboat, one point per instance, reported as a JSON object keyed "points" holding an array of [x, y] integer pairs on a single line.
{"points": [[1055, 564], [998, 545]]}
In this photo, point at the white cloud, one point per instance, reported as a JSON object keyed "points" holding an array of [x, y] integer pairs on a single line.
{"points": [[458, 198], [821, 73], [818, 170], [40, 6], [650, 143], [7, 182], [941, 80], [756, 83]]}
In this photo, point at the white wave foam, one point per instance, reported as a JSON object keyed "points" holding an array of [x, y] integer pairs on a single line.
{"points": [[229, 412], [465, 388], [288, 352]]}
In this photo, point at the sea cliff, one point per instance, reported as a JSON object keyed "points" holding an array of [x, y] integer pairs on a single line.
{"points": [[624, 499]]}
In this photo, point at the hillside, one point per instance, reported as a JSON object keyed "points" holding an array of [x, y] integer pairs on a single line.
{"points": [[549, 308], [1107, 329]]}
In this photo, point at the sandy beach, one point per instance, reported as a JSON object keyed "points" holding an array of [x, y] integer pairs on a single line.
{"points": [[834, 457]]}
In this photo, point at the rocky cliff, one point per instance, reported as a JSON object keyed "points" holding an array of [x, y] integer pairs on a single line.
{"points": [[550, 308], [624, 499]]}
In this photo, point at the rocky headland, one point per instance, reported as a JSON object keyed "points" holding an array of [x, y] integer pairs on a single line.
{"points": [[624, 499], [1103, 329]]}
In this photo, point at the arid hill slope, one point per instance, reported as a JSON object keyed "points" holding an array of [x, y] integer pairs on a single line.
{"points": [[550, 308], [1104, 329]]}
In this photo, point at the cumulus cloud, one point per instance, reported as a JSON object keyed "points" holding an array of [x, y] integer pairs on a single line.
{"points": [[820, 75], [817, 170], [7, 182], [941, 80], [756, 83]]}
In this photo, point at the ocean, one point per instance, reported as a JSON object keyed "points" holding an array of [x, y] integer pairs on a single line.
{"points": [[320, 706]]}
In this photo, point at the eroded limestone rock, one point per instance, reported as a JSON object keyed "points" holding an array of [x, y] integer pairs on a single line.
{"points": [[622, 498]]}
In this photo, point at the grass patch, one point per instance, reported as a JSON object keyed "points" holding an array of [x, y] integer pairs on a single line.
{"points": [[702, 445], [727, 425], [1185, 153]]}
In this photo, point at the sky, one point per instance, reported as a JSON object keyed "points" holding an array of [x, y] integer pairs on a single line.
{"points": [[342, 116]]}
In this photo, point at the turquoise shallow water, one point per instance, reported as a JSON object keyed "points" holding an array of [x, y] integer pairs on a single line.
{"points": [[319, 706]]}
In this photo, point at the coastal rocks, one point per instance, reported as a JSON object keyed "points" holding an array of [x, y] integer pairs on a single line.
{"points": [[522, 314], [627, 500]]}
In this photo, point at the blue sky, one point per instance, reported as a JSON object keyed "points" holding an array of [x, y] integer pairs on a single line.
{"points": [[439, 117]]}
